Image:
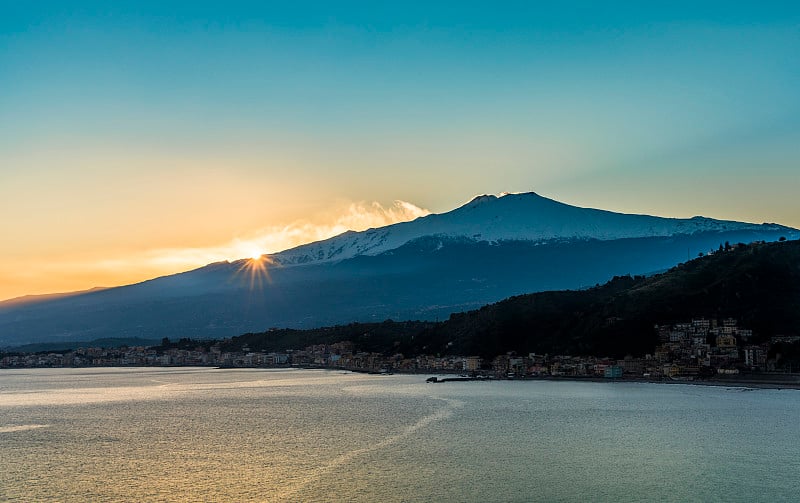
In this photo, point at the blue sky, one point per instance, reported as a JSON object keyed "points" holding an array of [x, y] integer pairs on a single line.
{"points": [[130, 127]]}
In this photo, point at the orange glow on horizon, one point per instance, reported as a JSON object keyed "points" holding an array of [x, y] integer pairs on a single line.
{"points": [[80, 262]]}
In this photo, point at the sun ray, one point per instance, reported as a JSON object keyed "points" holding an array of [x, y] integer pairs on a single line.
{"points": [[256, 270]]}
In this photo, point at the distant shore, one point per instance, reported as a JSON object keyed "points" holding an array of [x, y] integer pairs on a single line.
{"points": [[768, 381], [755, 381]]}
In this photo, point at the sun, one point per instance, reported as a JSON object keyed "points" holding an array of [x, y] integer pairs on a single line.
{"points": [[251, 251], [255, 269]]}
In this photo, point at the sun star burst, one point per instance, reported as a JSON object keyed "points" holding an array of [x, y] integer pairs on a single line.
{"points": [[255, 269]]}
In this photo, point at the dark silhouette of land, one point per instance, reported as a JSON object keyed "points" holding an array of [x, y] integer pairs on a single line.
{"points": [[758, 284]]}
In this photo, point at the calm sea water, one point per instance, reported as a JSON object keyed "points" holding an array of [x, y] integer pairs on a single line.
{"points": [[294, 435]]}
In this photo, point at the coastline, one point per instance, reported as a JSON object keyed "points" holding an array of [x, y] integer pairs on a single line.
{"points": [[751, 381], [792, 381]]}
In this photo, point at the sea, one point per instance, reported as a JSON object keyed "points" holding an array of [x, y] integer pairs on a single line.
{"points": [[214, 435]]}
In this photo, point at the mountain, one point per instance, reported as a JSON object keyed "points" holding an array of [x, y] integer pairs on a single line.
{"points": [[511, 217], [759, 285], [33, 299], [489, 249]]}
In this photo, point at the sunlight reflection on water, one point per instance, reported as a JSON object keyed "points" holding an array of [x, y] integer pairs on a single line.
{"points": [[291, 435]]}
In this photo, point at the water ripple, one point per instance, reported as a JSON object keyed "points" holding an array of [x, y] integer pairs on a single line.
{"points": [[443, 413]]}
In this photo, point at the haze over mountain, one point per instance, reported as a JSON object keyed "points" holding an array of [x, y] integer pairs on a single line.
{"points": [[487, 250]]}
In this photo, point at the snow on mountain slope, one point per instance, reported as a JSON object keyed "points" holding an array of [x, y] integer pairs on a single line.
{"points": [[527, 216]]}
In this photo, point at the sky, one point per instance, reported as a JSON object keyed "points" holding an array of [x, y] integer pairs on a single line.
{"points": [[143, 138]]}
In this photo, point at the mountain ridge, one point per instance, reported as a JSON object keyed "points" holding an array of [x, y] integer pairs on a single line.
{"points": [[493, 248], [491, 218], [33, 298]]}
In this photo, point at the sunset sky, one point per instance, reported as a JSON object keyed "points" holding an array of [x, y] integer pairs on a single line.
{"points": [[143, 138]]}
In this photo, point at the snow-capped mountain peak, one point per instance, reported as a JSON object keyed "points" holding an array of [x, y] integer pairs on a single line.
{"points": [[508, 217]]}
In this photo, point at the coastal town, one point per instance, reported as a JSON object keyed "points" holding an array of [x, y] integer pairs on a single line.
{"points": [[697, 349]]}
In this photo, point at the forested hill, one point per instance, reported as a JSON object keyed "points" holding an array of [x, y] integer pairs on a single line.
{"points": [[757, 284]]}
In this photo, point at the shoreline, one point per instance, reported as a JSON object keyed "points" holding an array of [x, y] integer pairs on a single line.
{"points": [[748, 381]]}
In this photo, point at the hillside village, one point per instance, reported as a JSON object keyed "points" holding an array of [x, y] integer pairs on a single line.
{"points": [[695, 349]]}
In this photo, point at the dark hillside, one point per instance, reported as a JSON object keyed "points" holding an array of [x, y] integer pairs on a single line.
{"points": [[758, 284]]}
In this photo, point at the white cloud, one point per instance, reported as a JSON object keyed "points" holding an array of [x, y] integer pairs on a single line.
{"points": [[356, 216]]}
